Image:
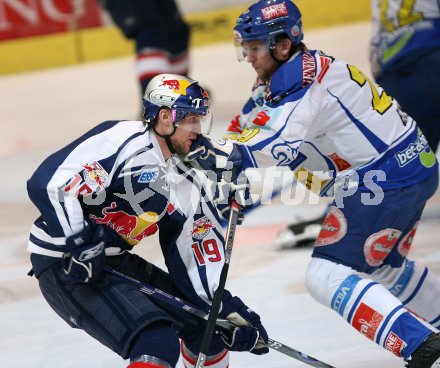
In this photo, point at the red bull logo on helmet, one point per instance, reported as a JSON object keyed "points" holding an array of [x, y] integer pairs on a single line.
{"points": [[201, 228], [177, 85]]}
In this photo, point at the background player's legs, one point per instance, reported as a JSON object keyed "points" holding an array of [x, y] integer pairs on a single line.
{"points": [[177, 34], [160, 33], [162, 43]]}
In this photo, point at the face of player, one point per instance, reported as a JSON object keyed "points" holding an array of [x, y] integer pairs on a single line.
{"points": [[257, 53], [186, 133]]}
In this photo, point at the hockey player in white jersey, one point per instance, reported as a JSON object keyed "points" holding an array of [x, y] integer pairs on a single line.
{"points": [[99, 197], [405, 58], [323, 116]]}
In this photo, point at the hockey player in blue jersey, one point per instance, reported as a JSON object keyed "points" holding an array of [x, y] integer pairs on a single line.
{"points": [[99, 197], [325, 120], [405, 58]]}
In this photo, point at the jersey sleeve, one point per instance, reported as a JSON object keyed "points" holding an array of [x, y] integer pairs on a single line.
{"points": [[78, 173]]}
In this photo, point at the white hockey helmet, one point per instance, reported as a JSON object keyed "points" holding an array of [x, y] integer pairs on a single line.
{"points": [[182, 95]]}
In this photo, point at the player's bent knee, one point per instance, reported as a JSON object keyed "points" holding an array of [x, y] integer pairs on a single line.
{"points": [[323, 278], [156, 343], [189, 359]]}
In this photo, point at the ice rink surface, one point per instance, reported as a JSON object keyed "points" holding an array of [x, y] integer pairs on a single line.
{"points": [[43, 111]]}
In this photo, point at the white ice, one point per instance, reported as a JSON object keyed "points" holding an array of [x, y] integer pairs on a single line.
{"points": [[42, 111]]}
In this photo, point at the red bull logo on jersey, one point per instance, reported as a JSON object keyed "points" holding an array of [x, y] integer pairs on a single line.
{"points": [[177, 85], [94, 174], [201, 228], [130, 227], [379, 245], [274, 11]]}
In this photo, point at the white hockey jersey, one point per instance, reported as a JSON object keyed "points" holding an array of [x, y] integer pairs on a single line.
{"points": [[325, 116], [401, 28], [116, 175]]}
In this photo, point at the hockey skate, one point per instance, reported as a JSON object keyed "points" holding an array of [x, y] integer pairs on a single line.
{"points": [[301, 234], [427, 354]]}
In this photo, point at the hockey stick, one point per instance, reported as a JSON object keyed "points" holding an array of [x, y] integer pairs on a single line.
{"points": [[218, 295], [228, 325]]}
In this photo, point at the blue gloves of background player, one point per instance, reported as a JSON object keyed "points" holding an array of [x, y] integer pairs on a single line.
{"points": [[249, 335], [84, 258]]}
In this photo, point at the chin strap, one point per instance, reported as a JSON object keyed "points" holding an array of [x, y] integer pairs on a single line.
{"points": [[167, 138]]}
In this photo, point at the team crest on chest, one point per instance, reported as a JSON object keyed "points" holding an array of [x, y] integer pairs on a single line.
{"points": [[201, 228], [94, 174]]}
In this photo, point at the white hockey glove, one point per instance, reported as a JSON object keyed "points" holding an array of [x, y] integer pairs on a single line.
{"points": [[249, 335], [224, 158]]}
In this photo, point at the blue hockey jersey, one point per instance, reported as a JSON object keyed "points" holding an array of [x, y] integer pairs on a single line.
{"points": [[324, 118]]}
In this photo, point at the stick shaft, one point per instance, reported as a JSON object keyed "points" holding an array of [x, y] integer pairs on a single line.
{"points": [[218, 295]]}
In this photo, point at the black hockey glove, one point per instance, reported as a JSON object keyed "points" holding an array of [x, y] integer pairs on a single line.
{"points": [[224, 158], [249, 335], [84, 258], [238, 190]]}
